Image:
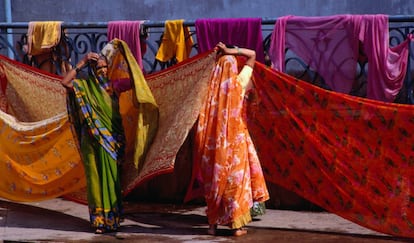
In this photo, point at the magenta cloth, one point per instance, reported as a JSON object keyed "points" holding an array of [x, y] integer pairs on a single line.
{"points": [[243, 32], [128, 31], [330, 45]]}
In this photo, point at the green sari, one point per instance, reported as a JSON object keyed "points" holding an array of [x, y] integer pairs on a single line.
{"points": [[95, 116]]}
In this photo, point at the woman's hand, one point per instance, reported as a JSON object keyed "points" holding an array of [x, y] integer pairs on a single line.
{"points": [[91, 56], [67, 79], [220, 46], [222, 49]]}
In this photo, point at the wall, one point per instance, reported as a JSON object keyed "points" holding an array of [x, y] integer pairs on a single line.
{"points": [[158, 10]]}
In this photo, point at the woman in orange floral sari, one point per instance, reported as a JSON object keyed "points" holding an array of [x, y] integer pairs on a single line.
{"points": [[230, 169]]}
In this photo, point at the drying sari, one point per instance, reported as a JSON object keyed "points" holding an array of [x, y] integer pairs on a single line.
{"points": [[230, 169]]}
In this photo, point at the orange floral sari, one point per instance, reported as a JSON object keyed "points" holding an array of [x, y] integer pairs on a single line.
{"points": [[230, 169]]}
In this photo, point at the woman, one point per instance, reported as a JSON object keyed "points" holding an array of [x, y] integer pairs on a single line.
{"points": [[231, 172], [94, 112]]}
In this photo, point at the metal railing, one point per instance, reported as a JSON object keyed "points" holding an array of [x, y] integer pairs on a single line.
{"points": [[82, 37]]}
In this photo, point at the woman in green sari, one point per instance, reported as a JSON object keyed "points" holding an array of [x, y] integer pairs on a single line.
{"points": [[93, 109]]}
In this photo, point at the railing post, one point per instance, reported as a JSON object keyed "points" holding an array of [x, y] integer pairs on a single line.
{"points": [[7, 9]]}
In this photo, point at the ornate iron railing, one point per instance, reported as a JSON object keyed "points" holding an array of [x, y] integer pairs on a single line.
{"points": [[82, 37]]}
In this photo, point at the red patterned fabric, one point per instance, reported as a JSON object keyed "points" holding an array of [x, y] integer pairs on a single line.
{"points": [[352, 156]]}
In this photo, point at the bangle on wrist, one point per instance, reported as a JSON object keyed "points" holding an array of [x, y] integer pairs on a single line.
{"points": [[238, 50], [77, 69]]}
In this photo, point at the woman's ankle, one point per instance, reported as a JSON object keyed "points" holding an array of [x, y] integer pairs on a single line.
{"points": [[212, 229]]}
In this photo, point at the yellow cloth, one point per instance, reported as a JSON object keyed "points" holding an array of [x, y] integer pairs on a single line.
{"points": [[43, 35], [176, 42]]}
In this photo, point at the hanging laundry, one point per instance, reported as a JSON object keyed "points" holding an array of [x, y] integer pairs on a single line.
{"points": [[176, 42], [243, 32], [330, 46], [130, 32], [42, 36]]}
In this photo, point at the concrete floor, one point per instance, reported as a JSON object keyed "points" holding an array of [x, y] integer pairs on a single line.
{"points": [[59, 220]]}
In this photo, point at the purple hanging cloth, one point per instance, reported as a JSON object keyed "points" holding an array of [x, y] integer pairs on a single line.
{"points": [[243, 32]]}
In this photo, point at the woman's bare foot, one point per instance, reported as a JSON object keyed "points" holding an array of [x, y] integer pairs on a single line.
{"points": [[100, 231], [239, 232], [212, 229]]}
